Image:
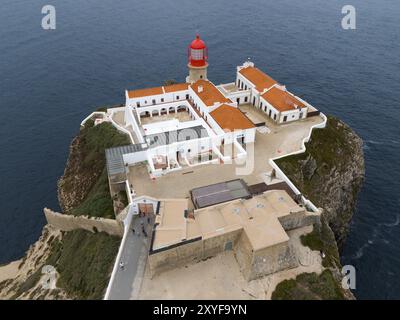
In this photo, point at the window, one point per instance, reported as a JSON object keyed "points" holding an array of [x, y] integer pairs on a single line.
{"points": [[138, 104], [154, 101], [188, 138], [177, 97], [145, 102], [270, 112], [187, 97], [241, 85], [197, 54], [261, 106], [201, 77], [284, 118], [245, 87], [162, 99], [238, 100], [245, 99], [274, 116]]}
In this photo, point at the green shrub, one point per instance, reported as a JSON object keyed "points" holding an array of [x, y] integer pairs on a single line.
{"points": [[309, 286], [98, 202], [84, 261], [89, 124]]}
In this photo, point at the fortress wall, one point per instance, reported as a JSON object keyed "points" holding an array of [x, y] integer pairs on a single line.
{"points": [[216, 243], [195, 251], [272, 259], [68, 223], [175, 257], [299, 219], [243, 254]]}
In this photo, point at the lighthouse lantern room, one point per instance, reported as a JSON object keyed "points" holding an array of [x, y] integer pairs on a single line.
{"points": [[197, 60]]}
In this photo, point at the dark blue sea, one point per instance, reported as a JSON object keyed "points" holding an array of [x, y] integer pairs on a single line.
{"points": [[50, 80]]}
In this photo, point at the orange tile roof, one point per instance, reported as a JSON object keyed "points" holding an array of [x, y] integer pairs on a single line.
{"points": [[145, 92], [210, 93], [176, 87], [231, 118], [258, 78], [282, 100]]}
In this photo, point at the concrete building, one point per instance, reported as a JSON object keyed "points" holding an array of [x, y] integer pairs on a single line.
{"points": [[255, 229], [191, 123]]}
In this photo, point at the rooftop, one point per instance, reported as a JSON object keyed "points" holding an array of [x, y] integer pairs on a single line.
{"points": [[176, 135], [282, 100], [261, 80], [176, 87], [208, 93], [114, 157], [157, 90], [145, 92], [258, 217], [230, 118]]}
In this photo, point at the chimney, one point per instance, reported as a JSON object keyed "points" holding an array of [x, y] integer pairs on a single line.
{"points": [[200, 89]]}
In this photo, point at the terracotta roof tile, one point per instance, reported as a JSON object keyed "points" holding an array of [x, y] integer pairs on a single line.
{"points": [[231, 118], [258, 78], [145, 92], [176, 87], [209, 94], [282, 100]]}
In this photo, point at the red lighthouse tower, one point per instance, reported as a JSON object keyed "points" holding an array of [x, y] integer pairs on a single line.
{"points": [[197, 60]]}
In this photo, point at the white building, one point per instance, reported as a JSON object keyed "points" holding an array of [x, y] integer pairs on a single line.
{"points": [[186, 124]]}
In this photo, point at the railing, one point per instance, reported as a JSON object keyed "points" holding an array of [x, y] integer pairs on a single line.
{"points": [[281, 175]]}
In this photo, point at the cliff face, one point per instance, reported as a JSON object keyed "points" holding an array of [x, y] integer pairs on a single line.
{"points": [[330, 173], [83, 259], [73, 186], [83, 189]]}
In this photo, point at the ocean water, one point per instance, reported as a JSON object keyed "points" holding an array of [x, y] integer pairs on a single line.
{"points": [[50, 80]]}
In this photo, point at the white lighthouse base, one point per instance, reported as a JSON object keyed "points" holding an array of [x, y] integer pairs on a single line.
{"points": [[196, 73]]}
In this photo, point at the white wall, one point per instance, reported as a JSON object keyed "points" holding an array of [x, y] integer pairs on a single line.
{"points": [[204, 110], [293, 115], [160, 98], [135, 157], [130, 121], [237, 97]]}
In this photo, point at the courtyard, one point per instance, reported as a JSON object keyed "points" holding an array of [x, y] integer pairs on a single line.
{"points": [[282, 139]]}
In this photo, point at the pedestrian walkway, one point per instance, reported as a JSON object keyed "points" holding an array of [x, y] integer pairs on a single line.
{"points": [[128, 278]]}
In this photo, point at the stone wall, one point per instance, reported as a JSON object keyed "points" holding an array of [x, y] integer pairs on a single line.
{"points": [[252, 264], [272, 259], [300, 219], [66, 222], [191, 252]]}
